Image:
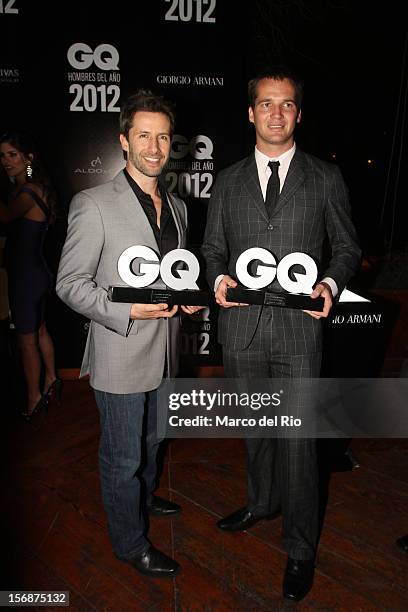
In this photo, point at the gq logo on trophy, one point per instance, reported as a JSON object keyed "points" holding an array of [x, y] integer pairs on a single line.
{"points": [[297, 286], [139, 267]]}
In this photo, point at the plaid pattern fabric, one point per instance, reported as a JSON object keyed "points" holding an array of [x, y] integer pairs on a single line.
{"points": [[263, 342], [313, 204], [281, 472]]}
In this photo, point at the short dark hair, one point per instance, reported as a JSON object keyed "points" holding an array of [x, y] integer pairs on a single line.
{"points": [[278, 73], [144, 100]]}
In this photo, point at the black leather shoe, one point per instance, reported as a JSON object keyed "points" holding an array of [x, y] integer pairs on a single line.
{"points": [[402, 543], [163, 507], [298, 579], [154, 563], [242, 519]]}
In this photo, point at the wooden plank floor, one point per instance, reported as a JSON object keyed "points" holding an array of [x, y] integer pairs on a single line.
{"points": [[54, 533]]}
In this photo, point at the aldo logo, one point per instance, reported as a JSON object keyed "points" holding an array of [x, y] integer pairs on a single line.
{"points": [[269, 268], [81, 56], [148, 268]]}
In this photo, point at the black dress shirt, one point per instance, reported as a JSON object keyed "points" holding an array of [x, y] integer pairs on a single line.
{"points": [[166, 235]]}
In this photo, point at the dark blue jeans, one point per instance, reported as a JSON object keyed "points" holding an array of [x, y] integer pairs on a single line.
{"points": [[127, 464]]}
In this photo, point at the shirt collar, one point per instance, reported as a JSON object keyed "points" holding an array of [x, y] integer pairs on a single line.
{"points": [[284, 159], [142, 195]]}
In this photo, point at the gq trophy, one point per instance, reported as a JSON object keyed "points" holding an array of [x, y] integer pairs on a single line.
{"points": [[296, 291], [139, 267]]}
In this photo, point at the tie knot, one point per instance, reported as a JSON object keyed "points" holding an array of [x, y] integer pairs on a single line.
{"points": [[274, 165]]}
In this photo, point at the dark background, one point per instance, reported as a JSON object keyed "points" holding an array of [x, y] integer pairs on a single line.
{"points": [[351, 55]]}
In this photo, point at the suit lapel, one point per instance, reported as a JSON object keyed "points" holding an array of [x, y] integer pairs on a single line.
{"points": [[294, 179], [177, 220], [251, 182]]}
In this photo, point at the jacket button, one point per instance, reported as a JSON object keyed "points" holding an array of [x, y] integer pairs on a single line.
{"points": [[270, 226]]}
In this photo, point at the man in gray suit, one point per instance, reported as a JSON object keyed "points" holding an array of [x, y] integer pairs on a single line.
{"points": [[130, 347], [310, 204]]}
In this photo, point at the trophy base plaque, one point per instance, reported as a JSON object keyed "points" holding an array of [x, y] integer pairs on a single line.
{"points": [[281, 300], [131, 295]]}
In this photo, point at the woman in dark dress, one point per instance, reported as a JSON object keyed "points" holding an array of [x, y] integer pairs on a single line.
{"points": [[29, 211]]}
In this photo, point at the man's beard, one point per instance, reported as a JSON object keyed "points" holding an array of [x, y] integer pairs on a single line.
{"points": [[137, 162]]}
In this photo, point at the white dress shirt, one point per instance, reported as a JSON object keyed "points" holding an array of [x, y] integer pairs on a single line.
{"points": [[264, 170]]}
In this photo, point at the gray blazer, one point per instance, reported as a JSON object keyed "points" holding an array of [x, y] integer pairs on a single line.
{"points": [[121, 356], [313, 205]]}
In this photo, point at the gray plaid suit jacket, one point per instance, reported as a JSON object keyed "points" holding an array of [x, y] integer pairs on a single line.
{"points": [[313, 204], [120, 356]]}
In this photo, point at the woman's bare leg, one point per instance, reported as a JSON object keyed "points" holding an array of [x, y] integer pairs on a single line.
{"points": [[31, 359], [48, 354]]}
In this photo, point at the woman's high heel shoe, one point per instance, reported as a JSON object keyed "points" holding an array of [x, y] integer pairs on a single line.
{"points": [[54, 391], [41, 406]]}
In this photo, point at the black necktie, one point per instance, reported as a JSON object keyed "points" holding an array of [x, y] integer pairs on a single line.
{"points": [[273, 188]]}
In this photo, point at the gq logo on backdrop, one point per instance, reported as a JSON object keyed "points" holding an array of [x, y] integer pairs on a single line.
{"points": [[90, 97], [200, 11], [81, 56], [7, 7], [200, 147], [194, 180]]}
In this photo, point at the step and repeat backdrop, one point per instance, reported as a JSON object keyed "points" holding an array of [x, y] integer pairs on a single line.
{"points": [[64, 69]]}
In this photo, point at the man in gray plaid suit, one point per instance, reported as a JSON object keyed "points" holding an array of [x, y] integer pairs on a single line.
{"points": [[260, 342]]}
